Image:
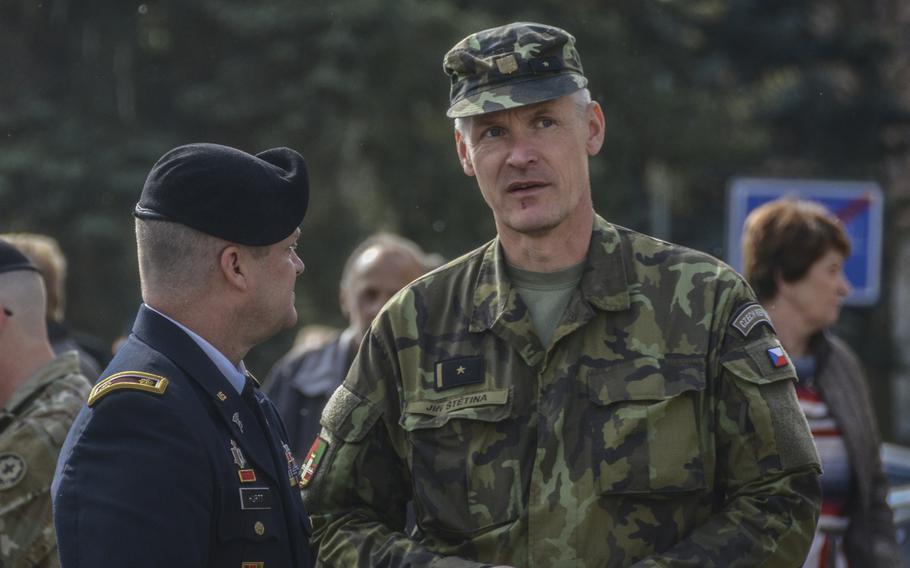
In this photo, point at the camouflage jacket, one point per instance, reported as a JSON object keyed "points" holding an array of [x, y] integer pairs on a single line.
{"points": [[660, 428], [33, 426]]}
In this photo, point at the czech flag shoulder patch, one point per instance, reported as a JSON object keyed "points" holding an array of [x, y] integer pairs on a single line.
{"points": [[778, 357]]}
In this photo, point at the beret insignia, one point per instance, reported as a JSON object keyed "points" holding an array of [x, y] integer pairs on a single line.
{"points": [[133, 380]]}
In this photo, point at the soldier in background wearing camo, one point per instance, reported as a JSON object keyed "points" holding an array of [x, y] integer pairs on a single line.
{"points": [[40, 394], [572, 393]]}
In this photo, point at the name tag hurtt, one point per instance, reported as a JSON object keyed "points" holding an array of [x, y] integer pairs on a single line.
{"points": [[255, 498]]}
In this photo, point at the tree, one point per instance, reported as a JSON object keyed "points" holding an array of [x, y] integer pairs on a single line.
{"points": [[693, 92]]}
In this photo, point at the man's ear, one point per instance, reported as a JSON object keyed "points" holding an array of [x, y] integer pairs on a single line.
{"points": [[462, 148], [596, 128], [232, 262]]}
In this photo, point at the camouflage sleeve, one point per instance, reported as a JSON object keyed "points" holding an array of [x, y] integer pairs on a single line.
{"points": [[28, 455], [766, 467], [360, 484]]}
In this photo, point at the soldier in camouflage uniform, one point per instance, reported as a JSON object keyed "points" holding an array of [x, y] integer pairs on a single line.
{"points": [[40, 394], [572, 393]]}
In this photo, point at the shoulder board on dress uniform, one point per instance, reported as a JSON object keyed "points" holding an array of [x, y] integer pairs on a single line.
{"points": [[133, 380]]}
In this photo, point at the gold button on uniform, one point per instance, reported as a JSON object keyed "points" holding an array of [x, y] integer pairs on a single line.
{"points": [[259, 528]]}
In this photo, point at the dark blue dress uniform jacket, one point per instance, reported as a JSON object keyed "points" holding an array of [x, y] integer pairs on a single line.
{"points": [[148, 479]]}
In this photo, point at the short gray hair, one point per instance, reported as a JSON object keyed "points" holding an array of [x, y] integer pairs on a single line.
{"points": [[581, 98], [174, 257]]}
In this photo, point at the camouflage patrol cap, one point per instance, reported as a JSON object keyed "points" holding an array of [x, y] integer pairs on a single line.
{"points": [[511, 66]]}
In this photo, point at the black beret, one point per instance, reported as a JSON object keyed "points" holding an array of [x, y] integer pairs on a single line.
{"points": [[224, 192], [11, 259]]}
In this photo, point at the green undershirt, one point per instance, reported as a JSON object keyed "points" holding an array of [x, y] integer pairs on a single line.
{"points": [[546, 294]]}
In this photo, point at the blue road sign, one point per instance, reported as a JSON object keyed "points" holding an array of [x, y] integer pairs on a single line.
{"points": [[859, 205]]}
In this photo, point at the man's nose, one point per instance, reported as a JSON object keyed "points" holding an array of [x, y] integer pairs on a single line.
{"points": [[523, 151]]}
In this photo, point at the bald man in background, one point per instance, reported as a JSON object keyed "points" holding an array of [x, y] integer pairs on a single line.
{"points": [[302, 381]]}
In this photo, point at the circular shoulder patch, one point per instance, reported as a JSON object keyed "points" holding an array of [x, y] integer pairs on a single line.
{"points": [[12, 470]]}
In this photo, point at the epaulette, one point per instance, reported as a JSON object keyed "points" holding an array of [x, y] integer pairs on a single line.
{"points": [[134, 380]]}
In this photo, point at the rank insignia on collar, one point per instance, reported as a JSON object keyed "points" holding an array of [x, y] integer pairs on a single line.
{"points": [[221, 396], [458, 372], [313, 458]]}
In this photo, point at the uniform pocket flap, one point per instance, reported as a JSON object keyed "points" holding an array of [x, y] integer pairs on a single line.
{"points": [[646, 378], [485, 406], [760, 362], [348, 415]]}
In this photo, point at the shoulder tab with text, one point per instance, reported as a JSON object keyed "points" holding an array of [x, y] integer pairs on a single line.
{"points": [[749, 317]]}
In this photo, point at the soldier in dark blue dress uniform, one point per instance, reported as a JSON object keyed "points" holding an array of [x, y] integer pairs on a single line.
{"points": [[178, 460]]}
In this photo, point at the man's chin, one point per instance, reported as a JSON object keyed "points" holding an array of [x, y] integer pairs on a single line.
{"points": [[291, 320], [533, 227]]}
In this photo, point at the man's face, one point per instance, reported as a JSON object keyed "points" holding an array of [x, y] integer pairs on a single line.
{"points": [[277, 272], [531, 163], [376, 276]]}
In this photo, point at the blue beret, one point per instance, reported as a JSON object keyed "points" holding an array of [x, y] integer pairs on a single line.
{"points": [[224, 192], [11, 259]]}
